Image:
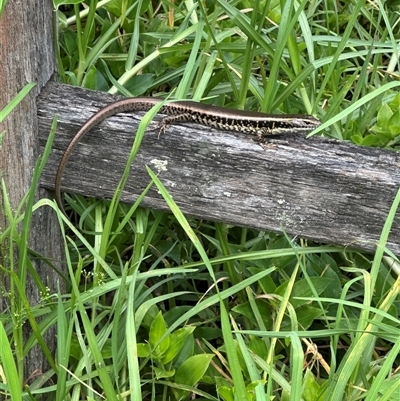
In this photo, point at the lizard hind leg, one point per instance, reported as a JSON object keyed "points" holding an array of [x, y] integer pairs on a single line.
{"points": [[162, 124]]}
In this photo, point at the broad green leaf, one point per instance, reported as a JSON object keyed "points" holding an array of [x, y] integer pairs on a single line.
{"points": [[258, 347], [143, 350], [394, 124], [357, 139], [395, 103], [157, 330], [394, 130], [384, 114], [90, 79], [263, 307], [307, 314], [251, 389], [372, 140], [225, 393], [191, 371], [187, 350], [162, 373], [302, 289], [311, 388], [177, 339]]}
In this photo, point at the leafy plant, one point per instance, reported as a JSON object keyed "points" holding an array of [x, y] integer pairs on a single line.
{"points": [[386, 131]]}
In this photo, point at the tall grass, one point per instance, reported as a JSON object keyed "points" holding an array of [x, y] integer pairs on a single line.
{"points": [[163, 307]]}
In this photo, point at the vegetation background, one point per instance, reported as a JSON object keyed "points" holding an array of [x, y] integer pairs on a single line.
{"points": [[162, 307]]}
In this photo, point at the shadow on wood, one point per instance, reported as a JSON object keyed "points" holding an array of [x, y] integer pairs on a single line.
{"points": [[315, 188]]}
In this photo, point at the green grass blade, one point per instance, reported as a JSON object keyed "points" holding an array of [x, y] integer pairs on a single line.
{"points": [[9, 367], [16, 100]]}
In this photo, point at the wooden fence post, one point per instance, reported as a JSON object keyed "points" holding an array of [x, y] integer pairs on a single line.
{"points": [[27, 55]]}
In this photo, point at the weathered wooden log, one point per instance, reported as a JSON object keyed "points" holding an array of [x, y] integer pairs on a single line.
{"points": [[321, 189]]}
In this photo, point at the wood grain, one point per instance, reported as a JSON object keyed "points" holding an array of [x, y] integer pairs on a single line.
{"points": [[27, 55], [328, 191]]}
